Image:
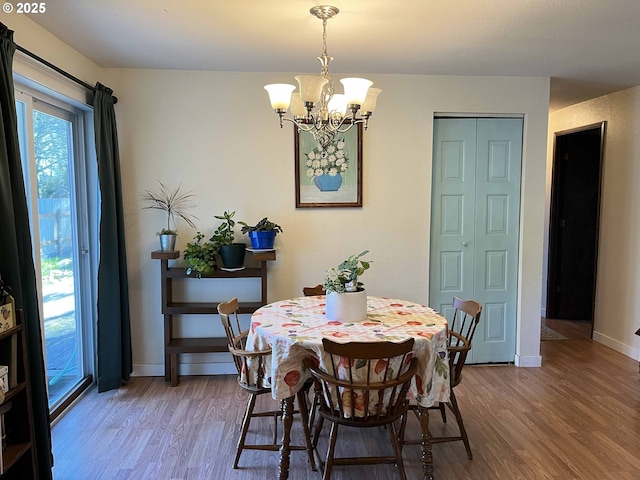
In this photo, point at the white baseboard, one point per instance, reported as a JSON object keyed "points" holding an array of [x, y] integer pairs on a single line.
{"points": [[616, 345], [528, 360]]}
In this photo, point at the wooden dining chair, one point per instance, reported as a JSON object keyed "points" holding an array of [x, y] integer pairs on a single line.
{"points": [[365, 387], [461, 330], [252, 382], [313, 291]]}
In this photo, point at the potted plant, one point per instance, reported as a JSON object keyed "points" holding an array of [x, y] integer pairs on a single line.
{"points": [[262, 234], [231, 253], [200, 256], [346, 297], [173, 202]]}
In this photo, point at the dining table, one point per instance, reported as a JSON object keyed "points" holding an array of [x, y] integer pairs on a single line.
{"points": [[293, 329]]}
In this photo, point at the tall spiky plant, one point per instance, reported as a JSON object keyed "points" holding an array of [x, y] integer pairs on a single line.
{"points": [[173, 202]]}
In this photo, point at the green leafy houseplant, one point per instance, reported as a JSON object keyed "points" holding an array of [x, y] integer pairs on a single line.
{"points": [[231, 253], [262, 234], [173, 203], [344, 278], [224, 235], [200, 256], [262, 226]]}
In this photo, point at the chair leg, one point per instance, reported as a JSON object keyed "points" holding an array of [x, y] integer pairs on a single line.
{"points": [[304, 415], [397, 450], [316, 433], [463, 433], [403, 425], [276, 416], [443, 411], [330, 451], [245, 427], [315, 402]]}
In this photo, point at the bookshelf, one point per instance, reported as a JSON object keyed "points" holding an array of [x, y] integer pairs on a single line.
{"points": [[17, 460]]}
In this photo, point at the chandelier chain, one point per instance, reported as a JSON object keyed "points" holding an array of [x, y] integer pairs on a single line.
{"points": [[324, 36]]}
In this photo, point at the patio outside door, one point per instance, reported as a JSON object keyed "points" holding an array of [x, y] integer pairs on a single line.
{"points": [[475, 226]]}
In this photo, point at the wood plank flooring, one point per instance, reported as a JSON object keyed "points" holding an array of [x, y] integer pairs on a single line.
{"points": [[577, 417]]}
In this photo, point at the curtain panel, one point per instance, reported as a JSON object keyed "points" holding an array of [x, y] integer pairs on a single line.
{"points": [[113, 333], [16, 253]]}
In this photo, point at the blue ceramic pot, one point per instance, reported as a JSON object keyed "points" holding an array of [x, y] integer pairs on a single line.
{"points": [[263, 239]]}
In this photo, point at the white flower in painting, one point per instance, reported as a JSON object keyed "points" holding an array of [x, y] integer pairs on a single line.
{"points": [[332, 160]]}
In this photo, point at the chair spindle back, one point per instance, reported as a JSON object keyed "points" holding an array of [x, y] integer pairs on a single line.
{"points": [[461, 331]]}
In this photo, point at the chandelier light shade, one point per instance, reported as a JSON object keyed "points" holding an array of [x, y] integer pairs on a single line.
{"points": [[280, 95], [369, 104], [315, 107], [355, 90]]}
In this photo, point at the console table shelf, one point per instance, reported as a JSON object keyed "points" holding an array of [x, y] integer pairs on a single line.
{"points": [[173, 347]]}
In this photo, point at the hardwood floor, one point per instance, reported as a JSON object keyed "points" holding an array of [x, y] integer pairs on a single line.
{"points": [[577, 417]]}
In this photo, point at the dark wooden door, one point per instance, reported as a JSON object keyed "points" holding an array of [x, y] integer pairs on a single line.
{"points": [[573, 241]]}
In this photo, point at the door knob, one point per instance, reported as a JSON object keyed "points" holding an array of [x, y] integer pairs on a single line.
{"points": [[464, 244]]}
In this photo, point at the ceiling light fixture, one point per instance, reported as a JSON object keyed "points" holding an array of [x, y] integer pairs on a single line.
{"points": [[316, 108]]}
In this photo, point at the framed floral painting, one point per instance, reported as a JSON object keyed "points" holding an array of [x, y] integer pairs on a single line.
{"points": [[331, 177]]}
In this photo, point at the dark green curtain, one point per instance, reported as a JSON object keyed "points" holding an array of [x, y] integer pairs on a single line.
{"points": [[16, 254], [114, 332]]}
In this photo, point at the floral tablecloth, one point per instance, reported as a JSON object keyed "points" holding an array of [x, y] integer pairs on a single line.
{"points": [[294, 329]]}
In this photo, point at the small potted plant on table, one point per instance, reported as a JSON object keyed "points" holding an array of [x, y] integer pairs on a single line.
{"points": [[262, 234], [231, 253], [173, 202], [346, 297]]}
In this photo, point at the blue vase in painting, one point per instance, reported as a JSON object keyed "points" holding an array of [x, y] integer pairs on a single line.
{"points": [[328, 183]]}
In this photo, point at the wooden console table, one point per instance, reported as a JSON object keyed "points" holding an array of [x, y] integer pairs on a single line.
{"points": [[173, 347]]}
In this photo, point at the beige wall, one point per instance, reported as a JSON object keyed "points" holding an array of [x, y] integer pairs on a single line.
{"points": [[214, 133], [618, 270]]}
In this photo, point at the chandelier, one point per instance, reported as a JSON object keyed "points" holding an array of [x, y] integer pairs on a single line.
{"points": [[316, 108]]}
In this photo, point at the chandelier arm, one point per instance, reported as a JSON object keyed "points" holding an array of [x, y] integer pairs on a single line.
{"points": [[345, 127], [301, 126], [310, 125]]}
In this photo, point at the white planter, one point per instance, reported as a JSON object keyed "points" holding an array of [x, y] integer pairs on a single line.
{"points": [[347, 307]]}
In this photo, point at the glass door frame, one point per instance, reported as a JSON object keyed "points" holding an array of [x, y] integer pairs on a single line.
{"points": [[82, 230]]}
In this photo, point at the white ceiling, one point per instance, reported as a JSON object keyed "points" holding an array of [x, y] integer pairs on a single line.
{"points": [[588, 47]]}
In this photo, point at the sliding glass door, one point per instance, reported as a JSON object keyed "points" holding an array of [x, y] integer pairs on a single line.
{"points": [[51, 141]]}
